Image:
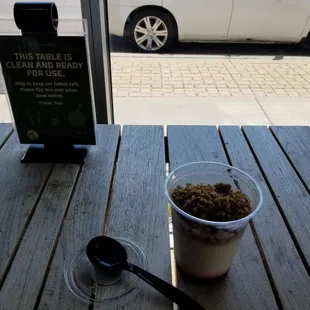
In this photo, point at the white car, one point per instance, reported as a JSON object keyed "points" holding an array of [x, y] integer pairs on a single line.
{"points": [[153, 25]]}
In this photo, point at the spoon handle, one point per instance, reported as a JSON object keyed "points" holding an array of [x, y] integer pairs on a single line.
{"points": [[168, 290]]}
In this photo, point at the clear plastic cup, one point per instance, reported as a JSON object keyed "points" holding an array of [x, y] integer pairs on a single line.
{"points": [[206, 249]]}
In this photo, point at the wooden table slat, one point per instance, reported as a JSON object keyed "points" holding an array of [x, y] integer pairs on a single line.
{"points": [[288, 272], [295, 141], [5, 131], [20, 188], [84, 219], [23, 282], [288, 189], [139, 210], [246, 285]]}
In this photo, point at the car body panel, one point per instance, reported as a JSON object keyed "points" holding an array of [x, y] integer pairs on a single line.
{"points": [[117, 18], [119, 11], [269, 20], [201, 19], [225, 20], [306, 29]]}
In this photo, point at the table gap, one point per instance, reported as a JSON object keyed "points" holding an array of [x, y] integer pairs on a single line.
{"points": [[37, 303], [168, 170], [299, 250], [6, 139], [106, 216], [92, 295], [27, 222], [166, 146]]}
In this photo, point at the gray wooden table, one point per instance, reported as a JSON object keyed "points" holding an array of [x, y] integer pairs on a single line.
{"points": [[49, 211]]}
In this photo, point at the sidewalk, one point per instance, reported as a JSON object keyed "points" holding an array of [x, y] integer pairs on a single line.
{"points": [[204, 111], [136, 75], [212, 111]]}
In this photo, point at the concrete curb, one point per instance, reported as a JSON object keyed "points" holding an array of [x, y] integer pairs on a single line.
{"points": [[260, 59]]}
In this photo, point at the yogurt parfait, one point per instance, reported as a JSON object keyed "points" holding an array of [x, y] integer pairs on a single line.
{"points": [[211, 204]]}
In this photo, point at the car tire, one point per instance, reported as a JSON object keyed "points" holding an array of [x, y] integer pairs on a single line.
{"points": [[151, 31]]}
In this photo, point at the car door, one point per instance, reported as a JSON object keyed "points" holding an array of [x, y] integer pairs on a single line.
{"points": [[200, 19], [269, 20]]}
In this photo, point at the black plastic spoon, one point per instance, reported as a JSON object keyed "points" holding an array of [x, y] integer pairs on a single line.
{"points": [[108, 255]]}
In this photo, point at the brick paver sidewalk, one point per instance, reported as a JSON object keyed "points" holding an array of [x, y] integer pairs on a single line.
{"points": [[172, 76]]}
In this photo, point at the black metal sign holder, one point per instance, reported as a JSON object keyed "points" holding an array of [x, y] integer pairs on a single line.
{"points": [[37, 20]]}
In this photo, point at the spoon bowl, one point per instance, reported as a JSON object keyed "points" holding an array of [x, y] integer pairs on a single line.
{"points": [[108, 256]]}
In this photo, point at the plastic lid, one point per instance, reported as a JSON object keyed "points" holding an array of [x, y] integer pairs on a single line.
{"points": [[78, 273]]}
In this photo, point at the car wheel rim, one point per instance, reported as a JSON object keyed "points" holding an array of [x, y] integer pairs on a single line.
{"points": [[151, 33]]}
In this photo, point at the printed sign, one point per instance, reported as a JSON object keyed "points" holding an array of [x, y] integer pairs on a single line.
{"points": [[48, 85]]}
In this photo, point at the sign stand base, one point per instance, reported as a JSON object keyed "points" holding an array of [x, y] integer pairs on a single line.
{"points": [[55, 154]]}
